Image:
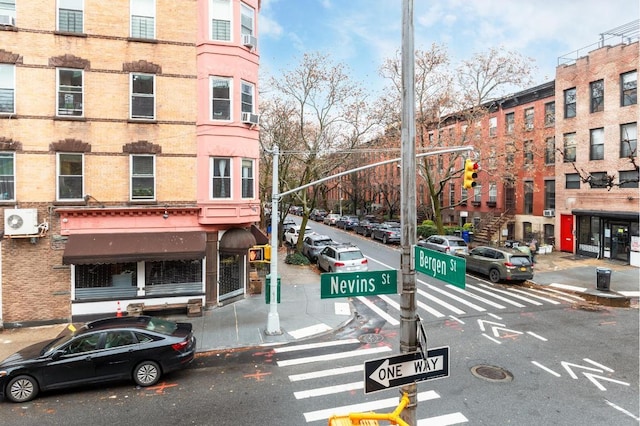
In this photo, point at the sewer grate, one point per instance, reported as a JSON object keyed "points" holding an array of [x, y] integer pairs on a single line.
{"points": [[370, 338], [491, 373]]}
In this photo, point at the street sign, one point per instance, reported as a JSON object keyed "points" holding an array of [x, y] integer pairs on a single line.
{"points": [[442, 266], [400, 370], [349, 284]]}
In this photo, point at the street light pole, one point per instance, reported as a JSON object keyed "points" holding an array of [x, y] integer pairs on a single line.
{"points": [[273, 319], [408, 322]]}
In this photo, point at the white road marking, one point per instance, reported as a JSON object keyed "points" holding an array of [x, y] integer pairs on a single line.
{"points": [[568, 287], [561, 294], [316, 345], [622, 410], [329, 390], [536, 336], [495, 296], [491, 338], [548, 370], [528, 294], [326, 373], [459, 299], [444, 420], [309, 331], [456, 319], [391, 320], [475, 296], [420, 305], [330, 357], [630, 293], [509, 293], [440, 302], [604, 367], [342, 308], [313, 416]]}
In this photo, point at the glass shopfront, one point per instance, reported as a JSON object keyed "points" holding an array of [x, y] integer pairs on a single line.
{"points": [[606, 235]]}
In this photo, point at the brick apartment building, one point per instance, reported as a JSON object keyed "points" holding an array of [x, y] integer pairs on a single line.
{"points": [[119, 183], [596, 133]]}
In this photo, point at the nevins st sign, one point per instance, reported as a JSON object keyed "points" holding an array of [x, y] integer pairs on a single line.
{"points": [[403, 369], [350, 284], [445, 267]]}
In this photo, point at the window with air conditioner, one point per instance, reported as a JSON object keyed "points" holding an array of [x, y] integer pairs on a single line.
{"points": [[7, 89], [247, 27], [8, 12]]}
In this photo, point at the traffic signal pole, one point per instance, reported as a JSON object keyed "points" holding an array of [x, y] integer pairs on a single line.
{"points": [[408, 312], [273, 318]]}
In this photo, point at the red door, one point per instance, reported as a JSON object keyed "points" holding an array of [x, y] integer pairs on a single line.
{"points": [[566, 233]]}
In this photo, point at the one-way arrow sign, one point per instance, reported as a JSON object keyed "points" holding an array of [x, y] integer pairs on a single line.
{"points": [[399, 370]]}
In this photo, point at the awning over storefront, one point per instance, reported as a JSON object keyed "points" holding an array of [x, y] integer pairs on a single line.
{"points": [[261, 239], [608, 214], [82, 249], [236, 240]]}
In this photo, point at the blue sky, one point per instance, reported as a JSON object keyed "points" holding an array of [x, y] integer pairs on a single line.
{"points": [[362, 33]]}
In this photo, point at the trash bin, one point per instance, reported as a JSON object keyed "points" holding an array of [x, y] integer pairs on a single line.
{"points": [[603, 280], [267, 293], [465, 236]]}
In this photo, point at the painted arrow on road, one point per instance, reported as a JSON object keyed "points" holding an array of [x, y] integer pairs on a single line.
{"points": [[497, 326]]}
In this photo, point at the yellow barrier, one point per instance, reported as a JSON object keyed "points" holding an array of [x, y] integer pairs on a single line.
{"points": [[371, 419]]}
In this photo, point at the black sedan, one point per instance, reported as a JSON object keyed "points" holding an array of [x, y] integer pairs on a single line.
{"points": [[111, 349]]}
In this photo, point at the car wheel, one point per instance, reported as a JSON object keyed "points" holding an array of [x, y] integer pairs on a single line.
{"points": [[384, 239], [22, 389], [494, 275], [147, 373]]}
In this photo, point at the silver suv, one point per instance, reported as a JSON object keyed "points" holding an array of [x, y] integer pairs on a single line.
{"points": [[445, 244], [342, 258], [314, 244]]}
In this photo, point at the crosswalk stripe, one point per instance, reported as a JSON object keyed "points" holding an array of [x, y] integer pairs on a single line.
{"points": [[475, 296], [421, 305], [510, 293], [391, 320], [440, 302], [560, 296], [329, 390], [444, 420], [528, 294], [454, 297], [329, 357], [313, 416], [315, 345], [495, 296], [326, 373]]}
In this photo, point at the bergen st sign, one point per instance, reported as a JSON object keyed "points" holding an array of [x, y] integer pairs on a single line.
{"points": [[349, 284], [400, 370], [444, 267]]}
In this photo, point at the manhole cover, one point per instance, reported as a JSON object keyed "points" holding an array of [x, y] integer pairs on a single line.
{"points": [[491, 373], [370, 338]]}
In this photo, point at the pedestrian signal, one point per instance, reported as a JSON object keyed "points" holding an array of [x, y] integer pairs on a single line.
{"points": [[256, 254], [470, 174]]}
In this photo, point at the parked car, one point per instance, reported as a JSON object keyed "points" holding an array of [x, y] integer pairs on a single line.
{"points": [[314, 244], [347, 222], [342, 258], [331, 219], [317, 214], [365, 227], [297, 210], [387, 232], [140, 348], [446, 244], [499, 263], [292, 233]]}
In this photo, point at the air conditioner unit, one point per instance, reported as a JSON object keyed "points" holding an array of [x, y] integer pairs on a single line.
{"points": [[20, 221], [549, 213], [7, 20], [249, 118], [249, 41]]}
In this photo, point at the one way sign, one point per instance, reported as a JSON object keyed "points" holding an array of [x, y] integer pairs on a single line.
{"points": [[399, 370]]}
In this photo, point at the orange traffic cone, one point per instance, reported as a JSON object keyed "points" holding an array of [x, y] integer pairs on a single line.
{"points": [[118, 311]]}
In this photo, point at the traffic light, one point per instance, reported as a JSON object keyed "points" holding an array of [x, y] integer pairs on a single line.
{"points": [[256, 254], [267, 253], [470, 174]]}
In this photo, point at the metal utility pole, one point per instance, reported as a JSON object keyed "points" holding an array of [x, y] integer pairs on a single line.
{"points": [[273, 319], [408, 323]]}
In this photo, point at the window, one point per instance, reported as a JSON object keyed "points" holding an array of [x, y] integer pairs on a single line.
{"points": [[598, 180], [528, 153], [143, 182], [493, 126], [220, 98], [143, 18], [528, 197], [247, 97], [628, 140], [572, 181], [143, 101], [221, 20], [596, 89], [509, 122], [8, 10], [549, 114], [569, 147], [528, 118], [626, 179], [550, 151], [493, 192], [247, 18], [549, 194], [452, 193], [221, 177], [7, 89], [477, 193], [7, 176], [596, 144], [629, 88], [70, 92], [70, 14], [70, 169], [247, 178], [570, 103]]}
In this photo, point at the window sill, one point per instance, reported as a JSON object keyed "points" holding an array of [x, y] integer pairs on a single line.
{"points": [[491, 203], [476, 203], [142, 40], [68, 33], [69, 118], [80, 202], [8, 28], [8, 115], [142, 203], [142, 121]]}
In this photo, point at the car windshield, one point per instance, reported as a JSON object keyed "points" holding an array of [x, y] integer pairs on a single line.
{"points": [[63, 337], [350, 255], [458, 243], [520, 261]]}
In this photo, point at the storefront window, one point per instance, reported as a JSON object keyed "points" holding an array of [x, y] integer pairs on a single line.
{"points": [[105, 281], [173, 277], [589, 235]]}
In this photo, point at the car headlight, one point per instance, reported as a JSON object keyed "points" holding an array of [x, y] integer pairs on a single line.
{"points": [[3, 373]]}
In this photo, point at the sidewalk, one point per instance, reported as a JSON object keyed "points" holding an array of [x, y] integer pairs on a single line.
{"points": [[302, 313]]}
